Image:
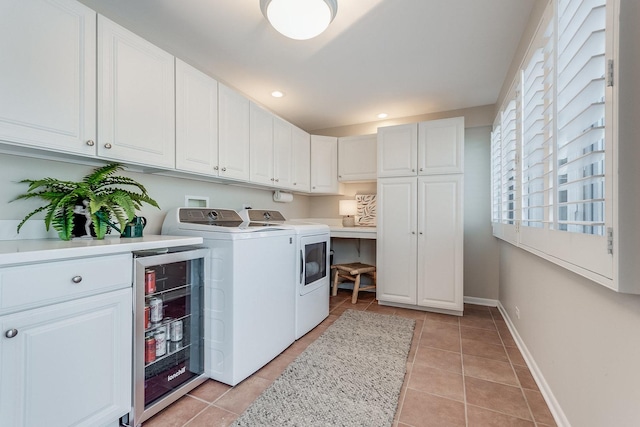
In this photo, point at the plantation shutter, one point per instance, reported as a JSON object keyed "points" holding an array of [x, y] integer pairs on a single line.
{"points": [[496, 174], [580, 139], [533, 139], [508, 161]]}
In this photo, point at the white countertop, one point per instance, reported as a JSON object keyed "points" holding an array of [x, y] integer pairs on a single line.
{"points": [[38, 250], [353, 232], [337, 230]]}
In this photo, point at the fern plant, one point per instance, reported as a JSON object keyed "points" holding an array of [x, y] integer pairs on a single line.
{"points": [[105, 202]]}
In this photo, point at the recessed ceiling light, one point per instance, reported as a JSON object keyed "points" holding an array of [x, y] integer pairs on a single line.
{"points": [[383, 115], [277, 94]]}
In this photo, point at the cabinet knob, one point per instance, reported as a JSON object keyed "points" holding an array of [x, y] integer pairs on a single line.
{"points": [[90, 143], [413, 232], [215, 168], [107, 146], [339, 176], [11, 333], [76, 279], [413, 170], [224, 169], [420, 233], [277, 179], [421, 169], [272, 179], [313, 188], [295, 183]]}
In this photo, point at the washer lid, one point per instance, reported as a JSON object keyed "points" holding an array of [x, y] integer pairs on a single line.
{"points": [[209, 216], [262, 216]]}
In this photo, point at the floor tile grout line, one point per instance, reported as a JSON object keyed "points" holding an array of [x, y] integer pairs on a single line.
{"points": [[464, 383]]}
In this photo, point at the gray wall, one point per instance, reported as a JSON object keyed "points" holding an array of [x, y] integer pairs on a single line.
{"points": [[169, 192], [582, 336]]}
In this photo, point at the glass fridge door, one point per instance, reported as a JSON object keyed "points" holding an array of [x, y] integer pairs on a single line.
{"points": [[168, 319]]}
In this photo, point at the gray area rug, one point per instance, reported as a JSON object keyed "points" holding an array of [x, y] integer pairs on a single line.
{"points": [[350, 376]]}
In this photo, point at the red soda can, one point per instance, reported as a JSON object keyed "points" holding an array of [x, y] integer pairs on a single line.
{"points": [[149, 281], [149, 349], [147, 317]]}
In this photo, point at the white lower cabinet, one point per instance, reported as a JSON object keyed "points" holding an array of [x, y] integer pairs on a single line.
{"points": [[66, 341], [420, 242], [69, 364]]}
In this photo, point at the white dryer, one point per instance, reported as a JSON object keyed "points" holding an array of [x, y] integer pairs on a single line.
{"points": [[249, 296], [312, 274]]}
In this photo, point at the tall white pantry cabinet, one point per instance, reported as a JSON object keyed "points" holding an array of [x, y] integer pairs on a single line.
{"points": [[420, 221]]}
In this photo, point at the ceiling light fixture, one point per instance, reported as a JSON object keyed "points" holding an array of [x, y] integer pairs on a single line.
{"points": [[299, 19], [277, 94], [383, 115]]}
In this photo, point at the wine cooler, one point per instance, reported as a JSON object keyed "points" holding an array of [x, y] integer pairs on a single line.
{"points": [[168, 350]]}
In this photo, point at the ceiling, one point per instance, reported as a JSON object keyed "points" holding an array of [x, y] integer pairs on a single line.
{"points": [[402, 57]]}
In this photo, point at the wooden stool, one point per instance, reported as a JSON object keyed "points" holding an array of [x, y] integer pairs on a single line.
{"points": [[351, 272]]}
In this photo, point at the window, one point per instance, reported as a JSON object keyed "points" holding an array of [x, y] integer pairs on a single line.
{"points": [[550, 173]]}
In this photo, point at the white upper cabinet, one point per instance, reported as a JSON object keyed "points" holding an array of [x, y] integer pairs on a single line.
{"points": [[441, 146], [324, 164], [301, 160], [283, 153], [233, 122], [398, 150], [48, 82], [196, 120], [433, 147], [261, 145], [357, 158], [136, 100]]}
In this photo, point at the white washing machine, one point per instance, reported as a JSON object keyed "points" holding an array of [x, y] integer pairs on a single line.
{"points": [[312, 274], [249, 295]]}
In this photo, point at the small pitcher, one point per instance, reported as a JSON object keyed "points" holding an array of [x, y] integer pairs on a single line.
{"points": [[134, 227]]}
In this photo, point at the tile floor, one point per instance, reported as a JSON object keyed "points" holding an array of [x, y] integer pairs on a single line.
{"points": [[461, 371]]}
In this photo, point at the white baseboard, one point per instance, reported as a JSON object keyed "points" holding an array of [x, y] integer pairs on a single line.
{"points": [[481, 301], [554, 406]]}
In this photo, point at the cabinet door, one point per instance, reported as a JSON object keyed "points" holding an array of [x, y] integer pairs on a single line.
{"points": [[136, 98], [441, 146], [397, 150], [261, 145], [440, 242], [69, 364], [357, 158], [301, 141], [324, 164], [196, 120], [233, 119], [282, 153], [396, 240], [48, 79]]}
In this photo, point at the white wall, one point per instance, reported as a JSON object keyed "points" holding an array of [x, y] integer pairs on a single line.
{"points": [[169, 192]]}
